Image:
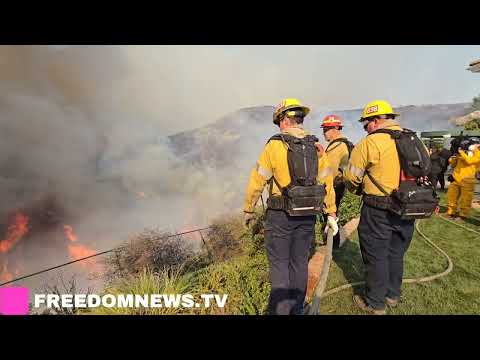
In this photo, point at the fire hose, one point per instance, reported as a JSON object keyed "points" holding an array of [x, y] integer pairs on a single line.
{"points": [[314, 307]]}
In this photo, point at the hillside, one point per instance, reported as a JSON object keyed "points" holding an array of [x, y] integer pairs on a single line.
{"points": [[228, 140]]}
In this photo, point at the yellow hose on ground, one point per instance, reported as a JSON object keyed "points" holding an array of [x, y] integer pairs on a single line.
{"points": [[314, 307]]}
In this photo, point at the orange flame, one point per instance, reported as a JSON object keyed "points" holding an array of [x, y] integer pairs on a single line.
{"points": [[5, 275], [77, 251], [15, 232], [69, 233]]}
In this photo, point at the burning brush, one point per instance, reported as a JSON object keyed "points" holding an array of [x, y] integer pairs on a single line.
{"points": [[16, 230], [42, 220], [76, 250]]}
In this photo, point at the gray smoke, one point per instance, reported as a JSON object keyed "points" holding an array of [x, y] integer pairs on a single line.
{"points": [[74, 125]]}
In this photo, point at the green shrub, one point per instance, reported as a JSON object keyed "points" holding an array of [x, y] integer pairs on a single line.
{"points": [[168, 281], [244, 279], [241, 271], [349, 208]]}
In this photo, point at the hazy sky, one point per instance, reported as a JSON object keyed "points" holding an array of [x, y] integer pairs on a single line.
{"points": [[190, 86], [214, 80]]}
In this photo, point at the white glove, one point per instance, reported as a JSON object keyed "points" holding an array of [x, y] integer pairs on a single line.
{"points": [[332, 223]]}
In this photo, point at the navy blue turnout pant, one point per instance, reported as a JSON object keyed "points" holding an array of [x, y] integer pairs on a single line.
{"points": [[384, 239], [287, 241]]}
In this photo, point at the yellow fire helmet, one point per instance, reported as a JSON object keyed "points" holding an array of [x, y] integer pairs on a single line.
{"points": [[376, 108], [288, 104]]}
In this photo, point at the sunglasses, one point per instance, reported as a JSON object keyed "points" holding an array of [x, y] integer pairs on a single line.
{"points": [[365, 124]]}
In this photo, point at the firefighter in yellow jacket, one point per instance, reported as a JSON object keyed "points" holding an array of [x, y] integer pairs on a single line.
{"points": [[384, 236], [338, 152], [460, 192], [287, 238]]}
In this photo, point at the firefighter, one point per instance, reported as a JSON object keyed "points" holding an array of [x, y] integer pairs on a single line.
{"points": [[384, 237], [460, 191], [437, 172], [444, 154], [287, 238], [338, 152]]}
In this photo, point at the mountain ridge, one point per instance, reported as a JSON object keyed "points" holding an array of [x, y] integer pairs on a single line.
{"points": [[245, 131]]}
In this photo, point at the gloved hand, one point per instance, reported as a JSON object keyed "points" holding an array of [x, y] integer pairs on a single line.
{"points": [[247, 219], [332, 223]]}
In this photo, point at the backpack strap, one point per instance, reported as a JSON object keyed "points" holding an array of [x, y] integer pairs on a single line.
{"points": [[286, 137], [341, 140], [376, 183], [270, 189], [282, 138], [276, 137], [328, 147], [393, 133]]}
